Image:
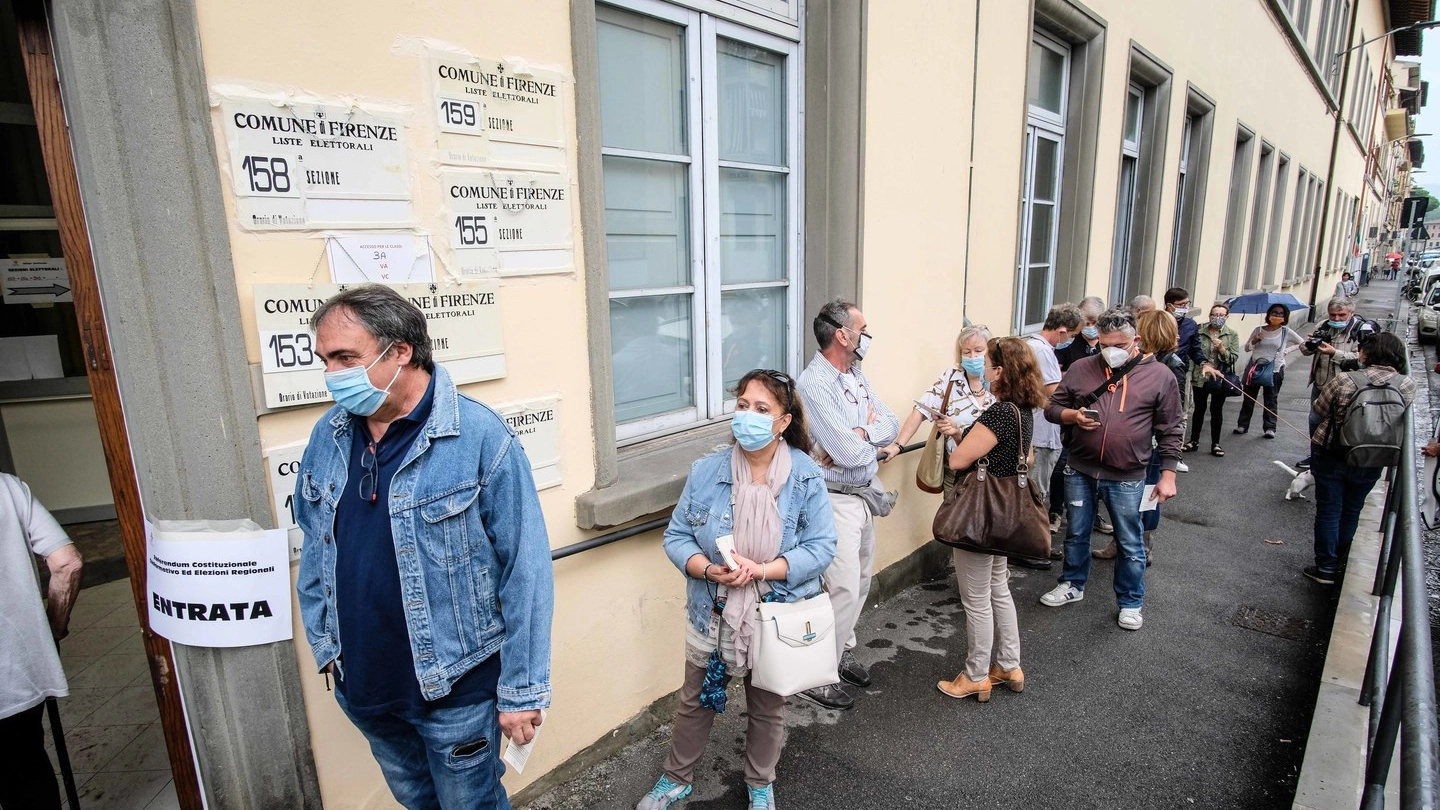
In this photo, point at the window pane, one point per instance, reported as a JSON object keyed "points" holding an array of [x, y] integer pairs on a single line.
{"points": [[1047, 78], [1047, 159], [1037, 294], [752, 104], [652, 357], [647, 215], [752, 226], [1042, 217], [642, 82], [752, 330], [1132, 117]]}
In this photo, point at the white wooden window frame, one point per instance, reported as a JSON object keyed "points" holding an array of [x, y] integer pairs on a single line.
{"points": [[1041, 123], [701, 33], [1186, 133], [1125, 203]]}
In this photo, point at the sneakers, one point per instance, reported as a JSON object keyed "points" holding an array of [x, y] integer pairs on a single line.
{"points": [[851, 671], [1130, 619], [1269, 434], [1322, 577], [830, 696], [1103, 526], [1107, 553], [666, 793], [1181, 466], [1062, 594], [1303, 464], [762, 798], [1055, 523]]}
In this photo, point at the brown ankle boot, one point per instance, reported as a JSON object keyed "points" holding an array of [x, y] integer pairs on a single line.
{"points": [[1015, 678], [963, 687], [1107, 553]]}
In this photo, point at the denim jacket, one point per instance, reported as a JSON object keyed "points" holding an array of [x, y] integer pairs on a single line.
{"points": [[465, 500], [807, 540]]}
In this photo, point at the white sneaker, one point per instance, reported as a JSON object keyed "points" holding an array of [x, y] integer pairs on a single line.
{"points": [[1182, 466], [1063, 594], [1130, 619]]}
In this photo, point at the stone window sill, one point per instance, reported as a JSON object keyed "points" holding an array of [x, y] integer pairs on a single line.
{"points": [[649, 478]]}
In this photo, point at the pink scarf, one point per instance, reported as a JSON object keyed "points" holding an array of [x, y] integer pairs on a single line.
{"points": [[757, 537]]}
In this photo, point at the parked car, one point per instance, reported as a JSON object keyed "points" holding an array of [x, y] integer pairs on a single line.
{"points": [[1428, 320]]}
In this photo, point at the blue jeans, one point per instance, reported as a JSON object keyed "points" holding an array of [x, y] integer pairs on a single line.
{"points": [[438, 758], [1340, 492], [1083, 495]]}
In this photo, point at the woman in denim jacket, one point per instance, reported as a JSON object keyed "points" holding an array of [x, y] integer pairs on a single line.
{"points": [[769, 495]]}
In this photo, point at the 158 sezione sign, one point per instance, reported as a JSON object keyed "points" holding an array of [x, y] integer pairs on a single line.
{"points": [[308, 166], [511, 223], [463, 320], [490, 111]]}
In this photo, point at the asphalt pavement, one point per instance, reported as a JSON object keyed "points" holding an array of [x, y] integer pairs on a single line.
{"points": [[1207, 706]]}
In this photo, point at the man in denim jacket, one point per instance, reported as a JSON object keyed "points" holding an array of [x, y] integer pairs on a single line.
{"points": [[424, 542]]}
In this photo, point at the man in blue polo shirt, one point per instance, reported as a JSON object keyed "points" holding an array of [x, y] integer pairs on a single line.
{"points": [[425, 582]]}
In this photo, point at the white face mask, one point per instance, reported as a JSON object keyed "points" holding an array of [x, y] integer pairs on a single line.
{"points": [[1181, 312], [1115, 356]]}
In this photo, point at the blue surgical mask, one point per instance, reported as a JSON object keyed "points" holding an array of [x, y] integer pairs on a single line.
{"points": [[1066, 343], [353, 391], [752, 430], [1090, 332], [1338, 324], [974, 366]]}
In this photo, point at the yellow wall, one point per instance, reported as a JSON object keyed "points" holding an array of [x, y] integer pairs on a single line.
{"points": [[618, 624]]}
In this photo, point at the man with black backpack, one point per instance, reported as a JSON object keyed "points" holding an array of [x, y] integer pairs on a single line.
{"points": [[1333, 348], [1360, 429]]}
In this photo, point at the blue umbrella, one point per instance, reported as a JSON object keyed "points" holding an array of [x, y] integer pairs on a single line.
{"points": [[1257, 302]]}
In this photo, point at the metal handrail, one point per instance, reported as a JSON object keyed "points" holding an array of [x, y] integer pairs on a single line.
{"points": [[1403, 705], [648, 526]]}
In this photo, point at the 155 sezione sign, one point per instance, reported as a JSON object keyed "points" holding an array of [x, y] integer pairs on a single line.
{"points": [[463, 321], [511, 223], [306, 166]]}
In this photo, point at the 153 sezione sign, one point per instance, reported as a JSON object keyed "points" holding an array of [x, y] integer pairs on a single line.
{"points": [[510, 223], [463, 320], [307, 165]]}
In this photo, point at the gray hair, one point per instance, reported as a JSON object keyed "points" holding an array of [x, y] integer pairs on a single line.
{"points": [[837, 311], [1142, 302], [968, 332], [1341, 302], [1117, 319], [1063, 316], [387, 315], [1092, 307]]}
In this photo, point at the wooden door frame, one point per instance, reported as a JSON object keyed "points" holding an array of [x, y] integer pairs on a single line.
{"points": [[32, 20]]}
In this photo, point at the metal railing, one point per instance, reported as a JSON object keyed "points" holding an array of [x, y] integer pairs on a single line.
{"points": [[648, 526], [1402, 703]]}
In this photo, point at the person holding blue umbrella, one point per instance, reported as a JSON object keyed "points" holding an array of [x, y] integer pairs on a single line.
{"points": [[1267, 345]]}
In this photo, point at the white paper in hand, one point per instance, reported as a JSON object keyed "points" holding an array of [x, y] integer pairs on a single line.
{"points": [[1147, 501], [517, 755]]}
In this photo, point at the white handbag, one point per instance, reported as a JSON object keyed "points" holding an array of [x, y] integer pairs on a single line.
{"points": [[794, 646]]}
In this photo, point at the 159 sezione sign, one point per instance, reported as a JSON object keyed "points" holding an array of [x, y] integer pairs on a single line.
{"points": [[463, 320], [316, 165]]}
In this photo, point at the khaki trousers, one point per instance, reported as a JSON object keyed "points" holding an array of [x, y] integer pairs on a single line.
{"points": [[764, 733], [989, 612], [848, 577]]}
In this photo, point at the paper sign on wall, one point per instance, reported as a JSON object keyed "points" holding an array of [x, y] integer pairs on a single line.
{"points": [[283, 464], [218, 584], [511, 223], [301, 165], [35, 281], [463, 320], [383, 258], [534, 421], [493, 111]]}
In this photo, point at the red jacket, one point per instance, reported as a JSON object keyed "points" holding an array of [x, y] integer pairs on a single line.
{"points": [[1145, 405]]}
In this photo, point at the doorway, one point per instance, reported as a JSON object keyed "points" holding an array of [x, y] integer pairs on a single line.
{"points": [[62, 431]]}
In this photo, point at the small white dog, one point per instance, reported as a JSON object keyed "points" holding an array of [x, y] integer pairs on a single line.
{"points": [[1300, 481]]}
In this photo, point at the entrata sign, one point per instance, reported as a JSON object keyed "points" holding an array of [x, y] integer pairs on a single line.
{"points": [[209, 588]]}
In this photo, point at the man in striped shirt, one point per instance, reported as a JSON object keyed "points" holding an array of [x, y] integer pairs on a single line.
{"points": [[852, 431]]}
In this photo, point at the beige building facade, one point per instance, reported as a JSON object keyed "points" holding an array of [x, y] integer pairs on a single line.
{"points": [[611, 211]]}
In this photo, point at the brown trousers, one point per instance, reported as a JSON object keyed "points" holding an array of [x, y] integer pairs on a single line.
{"points": [[764, 734]]}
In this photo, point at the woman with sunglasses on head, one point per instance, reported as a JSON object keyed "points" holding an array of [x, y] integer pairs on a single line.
{"points": [[769, 496], [1267, 344], [1002, 433], [958, 398]]}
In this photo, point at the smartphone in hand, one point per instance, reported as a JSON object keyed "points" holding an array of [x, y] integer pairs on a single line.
{"points": [[1090, 413], [726, 544]]}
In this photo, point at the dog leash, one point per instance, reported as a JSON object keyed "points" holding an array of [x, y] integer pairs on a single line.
{"points": [[1263, 408]]}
